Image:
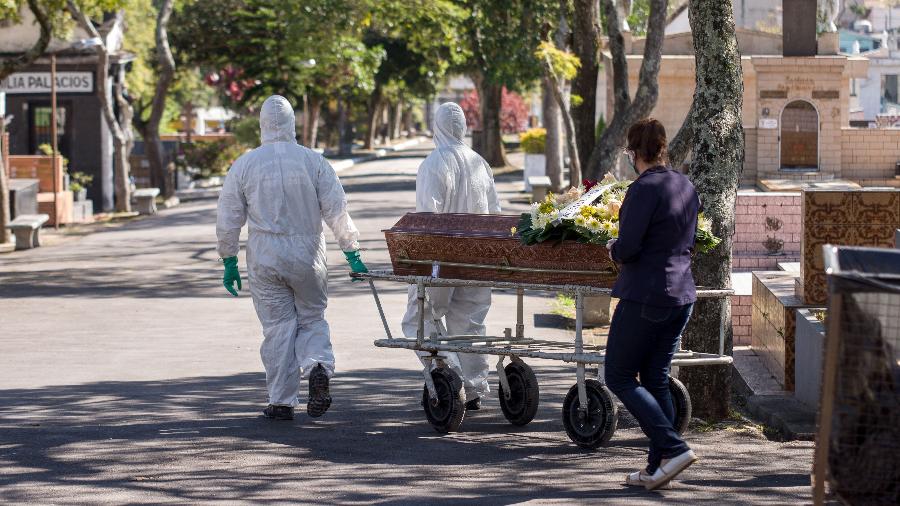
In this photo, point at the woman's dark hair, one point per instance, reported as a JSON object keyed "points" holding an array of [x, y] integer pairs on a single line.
{"points": [[647, 140]]}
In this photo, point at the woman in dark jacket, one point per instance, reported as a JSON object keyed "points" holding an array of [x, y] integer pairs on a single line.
{"points": [[657, 225]]}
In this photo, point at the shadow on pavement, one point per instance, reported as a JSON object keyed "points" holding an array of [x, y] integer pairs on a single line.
{"points": [[201, 438]]}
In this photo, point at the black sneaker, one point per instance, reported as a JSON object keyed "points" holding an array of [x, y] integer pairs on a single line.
{"points": [[474, 404], [319, 396], [274, 412]]}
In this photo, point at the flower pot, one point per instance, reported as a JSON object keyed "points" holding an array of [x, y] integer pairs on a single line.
{"points": [[80, 195], [535, 165]]}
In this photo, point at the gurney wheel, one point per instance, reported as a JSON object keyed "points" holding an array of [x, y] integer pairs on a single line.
{"points": [[522, 404], [447, 412], [595, 427], [682, 402]]}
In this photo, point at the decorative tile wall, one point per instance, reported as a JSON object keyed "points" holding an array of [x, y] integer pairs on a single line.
{"points": [[773, 323], [866, 217]]}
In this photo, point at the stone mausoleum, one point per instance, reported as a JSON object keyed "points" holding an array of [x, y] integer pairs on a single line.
{"points": [[796, 113]]}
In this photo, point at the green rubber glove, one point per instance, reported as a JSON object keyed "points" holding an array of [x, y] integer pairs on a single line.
{"points": [[356, 264], [231, 275]]}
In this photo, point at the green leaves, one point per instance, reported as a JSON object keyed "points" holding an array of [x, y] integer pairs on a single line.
{"points": [[503, 35], [563, 64]]}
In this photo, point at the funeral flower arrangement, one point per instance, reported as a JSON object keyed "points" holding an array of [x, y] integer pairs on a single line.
{"points": [[589, 213]]}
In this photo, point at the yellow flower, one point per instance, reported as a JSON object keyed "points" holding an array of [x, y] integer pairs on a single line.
{"points": [[513, 231]]}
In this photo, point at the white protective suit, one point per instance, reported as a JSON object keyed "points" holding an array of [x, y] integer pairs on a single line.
{"points": [[455, 179], [285, 191]]}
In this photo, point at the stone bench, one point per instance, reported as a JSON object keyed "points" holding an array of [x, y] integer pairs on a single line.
{"points": [[27, 228], [145, 200], [540, 185]]}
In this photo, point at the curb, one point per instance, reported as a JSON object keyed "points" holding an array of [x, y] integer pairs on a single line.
{"points": [[783, 412]]}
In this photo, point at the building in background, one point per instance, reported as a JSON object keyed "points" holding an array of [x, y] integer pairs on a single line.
{"points": [[82, 134]]}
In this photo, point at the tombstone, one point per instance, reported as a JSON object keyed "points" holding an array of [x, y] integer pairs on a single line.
{"points": [[799, 27]]}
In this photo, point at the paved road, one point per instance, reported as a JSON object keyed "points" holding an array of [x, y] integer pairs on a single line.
{"points": [[128, 375]]}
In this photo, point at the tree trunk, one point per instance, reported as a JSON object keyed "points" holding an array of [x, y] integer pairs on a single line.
{"points": [[491, 97], [315, 107], [4, 186], [586, 45], [718, 152], [392, 118], [345, 129], [606, 150], [159, 173], [123, 151], [553, 149], [406, 123], [680, 146], [397, 119], [571, 147], [374, 109], [105, 95]]}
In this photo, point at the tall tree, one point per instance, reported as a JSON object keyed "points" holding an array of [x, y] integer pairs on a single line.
{"points": [[307, 51], [419, 40], [586, 46], [502, 36], [149, 126], [558, 67], [110, 98], [628, 110], [718, 153]]}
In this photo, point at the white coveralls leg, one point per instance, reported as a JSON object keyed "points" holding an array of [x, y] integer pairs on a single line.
{"points": [[455, 179], [284, 191]]}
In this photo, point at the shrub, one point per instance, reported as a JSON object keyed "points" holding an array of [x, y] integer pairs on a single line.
{"points": [[533, 141], [210, 158]]}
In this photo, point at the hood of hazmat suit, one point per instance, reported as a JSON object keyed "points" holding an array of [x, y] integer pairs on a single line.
{"points": [[283, 192], [455, 179]]}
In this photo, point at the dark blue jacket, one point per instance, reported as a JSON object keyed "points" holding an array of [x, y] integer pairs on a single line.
{"points": [[657, 226]]}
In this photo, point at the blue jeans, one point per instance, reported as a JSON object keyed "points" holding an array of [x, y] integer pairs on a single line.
{"points": [[642, 341]]}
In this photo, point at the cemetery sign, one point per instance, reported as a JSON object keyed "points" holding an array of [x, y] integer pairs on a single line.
{"points": [[39, 82]]}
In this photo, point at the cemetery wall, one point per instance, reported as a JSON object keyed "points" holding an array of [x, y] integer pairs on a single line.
{"points": [[750, 249]]}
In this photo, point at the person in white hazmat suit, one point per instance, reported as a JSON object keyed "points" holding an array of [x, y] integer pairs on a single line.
{"points": [[455, 179], [285, 191]]}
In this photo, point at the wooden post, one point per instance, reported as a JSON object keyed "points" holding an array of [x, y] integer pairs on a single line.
{"points": [[826, 405], [53, 142]]}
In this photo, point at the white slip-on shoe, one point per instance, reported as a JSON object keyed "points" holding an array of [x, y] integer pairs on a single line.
{"points": [[669, 468], [640, 479]]}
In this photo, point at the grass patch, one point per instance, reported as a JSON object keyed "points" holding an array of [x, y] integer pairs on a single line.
{"points": [[563, 305], [736, 423]]}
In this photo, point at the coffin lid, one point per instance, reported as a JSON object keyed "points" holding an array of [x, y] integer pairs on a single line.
{"points": [[457, 225]]}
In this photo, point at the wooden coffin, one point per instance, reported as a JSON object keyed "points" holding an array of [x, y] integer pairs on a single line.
{"points": [[487, 240]]}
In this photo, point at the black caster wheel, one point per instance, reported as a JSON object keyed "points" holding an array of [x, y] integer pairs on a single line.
{"points": [[445, 413], [595, 427], [682, 402], [522, 404]]}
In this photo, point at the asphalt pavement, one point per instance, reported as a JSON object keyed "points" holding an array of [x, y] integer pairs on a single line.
{"points": [[129, 375]]}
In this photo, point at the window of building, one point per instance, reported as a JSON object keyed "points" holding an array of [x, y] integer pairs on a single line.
{"points": [[890, 95], [40, 128], [852, 87]]}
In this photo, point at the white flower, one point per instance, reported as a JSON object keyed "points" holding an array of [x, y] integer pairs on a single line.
{"points": [[704, 223]]}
